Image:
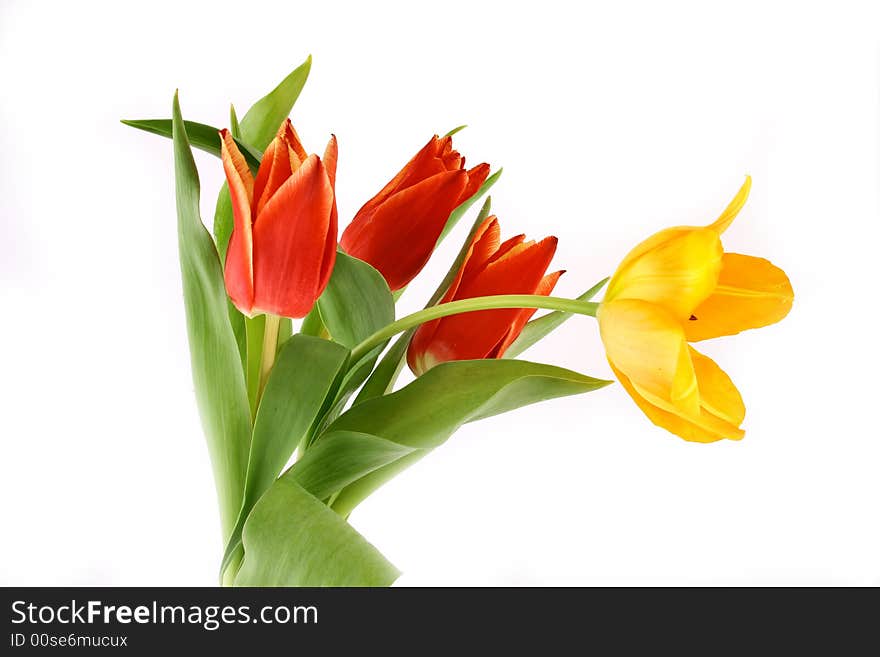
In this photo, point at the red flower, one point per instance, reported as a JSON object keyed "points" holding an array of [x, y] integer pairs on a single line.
{"points": [[397, 230], [490, 267], [283, 243]]}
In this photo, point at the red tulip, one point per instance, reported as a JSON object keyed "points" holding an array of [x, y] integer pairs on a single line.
{"points": [[490, 267], [397, 230], [283, 243]]}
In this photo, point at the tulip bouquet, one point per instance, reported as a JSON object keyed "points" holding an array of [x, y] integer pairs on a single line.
{"points": [[302, 425]]}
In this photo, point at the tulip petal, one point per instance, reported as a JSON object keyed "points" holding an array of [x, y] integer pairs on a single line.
{"points": [[238, 271], [274, 170], [751, 293], [476, 177], [683, 427], [424, 164], [400, 236], [331, 155], [288, 134], [478, 334], [291, 241], [677, 269], [723, 222], [647, 343], [718, 394]]}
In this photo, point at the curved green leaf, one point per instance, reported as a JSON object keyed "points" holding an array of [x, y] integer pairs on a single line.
{"points": [[260, 125], [425, 413], [300, 388], [202, 136], [356, 302], [293, 539], [217, 375], [539, 328]]}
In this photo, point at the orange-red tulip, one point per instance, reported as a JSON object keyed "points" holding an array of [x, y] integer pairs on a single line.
{"points": [[396, 231], [283, 243], [490, 267]]}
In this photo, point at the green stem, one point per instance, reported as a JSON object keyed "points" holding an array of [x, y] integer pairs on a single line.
{"points": [[270, 347], [468, 306]]}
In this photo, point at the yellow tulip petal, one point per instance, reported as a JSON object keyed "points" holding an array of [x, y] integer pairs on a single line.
{"points": [[647, 344], [721, 224], [701, 428], [718, 395], [676, 269], [751, 292]]}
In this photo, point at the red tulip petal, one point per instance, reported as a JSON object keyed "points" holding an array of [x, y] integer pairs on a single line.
{"points": [[277, 170], [478, 334], [291, 242], [476, 177], [288, 134], [331, 155], [401, 234], [423, 164], [238, 270]]}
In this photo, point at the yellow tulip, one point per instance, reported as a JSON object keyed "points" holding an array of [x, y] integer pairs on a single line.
{"points": [[676, 287]]}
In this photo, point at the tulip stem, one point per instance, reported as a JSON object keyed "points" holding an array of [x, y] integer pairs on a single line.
{"points": [[270, 346], [472, 305]]}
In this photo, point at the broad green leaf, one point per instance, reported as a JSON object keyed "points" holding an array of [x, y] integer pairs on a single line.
{"points": [[356, 302], [301, 386], [293, 539], [341, 459], [260, 125], [385, 375], [217, 375], [425, 413], [201, 136], [541, 327], [355, 493]]}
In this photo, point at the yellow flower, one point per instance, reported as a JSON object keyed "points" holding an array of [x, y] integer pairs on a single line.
{"points": [[679, 286]]}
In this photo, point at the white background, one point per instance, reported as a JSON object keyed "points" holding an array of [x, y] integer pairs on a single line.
{"points": [[611, 122]]}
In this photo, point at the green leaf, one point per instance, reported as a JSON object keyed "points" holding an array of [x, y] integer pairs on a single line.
{"points": [[356, 302], [425, 413], [455, 130], [292, 539], [385, 375], [260, 125], [301, 385], [541, 327], [341, 459], [202, 136], [217, 375]]}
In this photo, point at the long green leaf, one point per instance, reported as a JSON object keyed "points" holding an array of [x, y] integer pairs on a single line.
{"points": [[293, 539], [202, 136], [301, 386], [260, 124], [425, 413], [216, 367], [355, 304], [543, 326]]}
